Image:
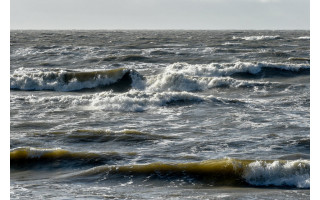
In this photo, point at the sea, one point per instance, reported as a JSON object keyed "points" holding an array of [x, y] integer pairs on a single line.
{"points": [[159, 114]]}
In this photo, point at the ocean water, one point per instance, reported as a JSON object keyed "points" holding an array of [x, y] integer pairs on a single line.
{"points": [[160, 115]]}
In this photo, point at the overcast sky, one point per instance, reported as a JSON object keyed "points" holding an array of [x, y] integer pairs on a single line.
{"points": [[159, 14]]}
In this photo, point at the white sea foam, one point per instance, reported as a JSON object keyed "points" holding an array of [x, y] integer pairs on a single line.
{"points": [[131, 101], [173, 81], [180, 82], [294, 173], [198, 77], [138, 101], [231, 43]]}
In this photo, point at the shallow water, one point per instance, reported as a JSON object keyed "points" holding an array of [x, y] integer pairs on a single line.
{"points": [[160, 114]]}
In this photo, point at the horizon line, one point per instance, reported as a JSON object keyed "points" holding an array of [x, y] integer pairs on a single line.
{"points": [[149, 29]]}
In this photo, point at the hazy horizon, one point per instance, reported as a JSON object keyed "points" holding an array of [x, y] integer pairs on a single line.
{"points": [[160, 15], [26, 29]]}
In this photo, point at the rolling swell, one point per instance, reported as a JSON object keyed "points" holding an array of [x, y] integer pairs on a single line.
{"points": [[33, 158], [269, 72], [58, 80], [220, 172], [231, 172]]}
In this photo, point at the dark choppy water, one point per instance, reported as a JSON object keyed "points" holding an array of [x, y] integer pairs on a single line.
{"points": [[160, 114]]}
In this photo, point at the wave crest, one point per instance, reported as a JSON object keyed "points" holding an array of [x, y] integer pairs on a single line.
{"points": [[228, 69], [294, 173], [62, 80], [227, 171], [199, 77]]}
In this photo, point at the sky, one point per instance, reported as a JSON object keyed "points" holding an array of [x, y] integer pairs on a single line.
{"points": [[160, 14]]}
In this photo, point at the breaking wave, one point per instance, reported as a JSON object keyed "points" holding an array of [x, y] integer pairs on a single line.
{"points": [[228, 171], [175, 77], [294, 173], [181, 82], [65, 80], [233, 172], [187, 77], [131, 101], [229, 69], [139, 101]]}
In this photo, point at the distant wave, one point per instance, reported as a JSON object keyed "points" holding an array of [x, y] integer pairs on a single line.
{"points": [[231, 44], [304, 38], [259, 37], [299, 59], [60, 80], [232, 172]]}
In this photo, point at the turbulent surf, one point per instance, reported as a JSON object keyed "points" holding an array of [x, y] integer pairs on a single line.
{"points": [[160, 114]]}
